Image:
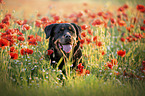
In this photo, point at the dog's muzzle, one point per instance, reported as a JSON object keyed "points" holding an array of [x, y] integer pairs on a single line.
{"points": [[68, 39]]}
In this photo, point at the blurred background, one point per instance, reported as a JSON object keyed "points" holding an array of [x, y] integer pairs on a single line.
{"points": [[28, 7]]}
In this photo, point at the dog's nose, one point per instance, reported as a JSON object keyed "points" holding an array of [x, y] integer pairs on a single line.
{"points": [[67, 36]]}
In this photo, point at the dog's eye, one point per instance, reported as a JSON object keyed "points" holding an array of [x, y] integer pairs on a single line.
{"points": [[69, 28], [62, 29]]}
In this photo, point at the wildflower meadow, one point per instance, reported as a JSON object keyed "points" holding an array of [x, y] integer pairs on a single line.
{"points": [[112, 43]]}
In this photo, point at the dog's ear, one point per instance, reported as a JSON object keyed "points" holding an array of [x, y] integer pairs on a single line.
{"points": [[49, 29], [78, 30]]}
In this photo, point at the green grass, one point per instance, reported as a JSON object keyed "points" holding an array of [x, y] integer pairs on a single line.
{"points": [[86, 86]]}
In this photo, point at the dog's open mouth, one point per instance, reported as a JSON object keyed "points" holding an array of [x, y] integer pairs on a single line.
{"points": [[66, 48]]}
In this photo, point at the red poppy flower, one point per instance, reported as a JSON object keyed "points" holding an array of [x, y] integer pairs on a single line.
{"points": [[80, 66], [100, 13], [129, 39], [113, 21], [24, 21], [38, 23], [20, 33], [2, 2], [23, 51], [105, 24], [21, 38], [29, 51], [88, 40], [9, 15], [87, 72], [86, 10], [114, 61], [49, 52], [131, 25], [122, 39], [103, 53], [105, 16], [97, 22], [90, 31], [6, 20], [136, 35], [144, 21], [142, 28], [81, 71], [3, 42], [143, 10], [32, 41], [10, 31], [45, 20], [3, 26], [13, 55], [99, 43], [38, 15], [82, 41], [134, 39], [121, 53], [81, 45], [30, 37], [143, 64], [128, 28], [84, 27], [95, 38], [130, 36], [125, 6], [83, 34], [140, 35], [121, 9], [56, 18], [12, 49], [8, 37], [92, 15], [109, 64], [20, 22], [80, 14], [121, 23], [140, 7], [26, 27]]}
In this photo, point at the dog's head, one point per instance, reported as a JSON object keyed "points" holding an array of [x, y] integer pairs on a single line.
{"points": [[65, 34]]}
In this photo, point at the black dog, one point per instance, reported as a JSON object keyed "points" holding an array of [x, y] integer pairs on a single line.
{"points": [[64, 41]]}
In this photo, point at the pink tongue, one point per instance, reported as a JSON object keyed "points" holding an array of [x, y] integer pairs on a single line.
{"points": [[67, 48]]}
